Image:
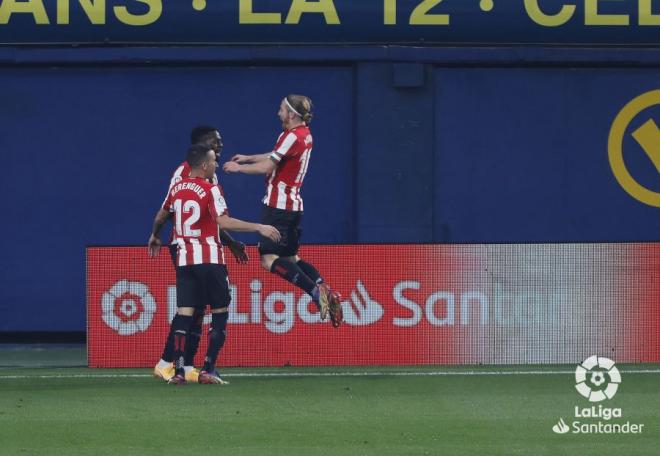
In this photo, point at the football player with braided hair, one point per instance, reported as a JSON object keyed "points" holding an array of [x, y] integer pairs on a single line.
{"points": [[285, 168]]}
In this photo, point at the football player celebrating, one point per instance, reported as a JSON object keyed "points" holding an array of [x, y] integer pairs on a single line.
{"points": [[285, 168], [198, 208], [209, 137]]}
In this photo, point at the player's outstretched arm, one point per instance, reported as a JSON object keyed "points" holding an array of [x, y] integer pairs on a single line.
{"points": [[231, 224], [265, 166], [243, 159], [154, 241]]}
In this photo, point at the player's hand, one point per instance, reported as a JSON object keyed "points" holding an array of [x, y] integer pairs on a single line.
{"points": [[154, 245], [239, 158], [237, 248], [270, 232], [231, 167]]}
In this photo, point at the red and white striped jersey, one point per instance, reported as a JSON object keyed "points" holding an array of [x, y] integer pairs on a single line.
{"points": [[196, 203], [291, 153], [183, 171]]}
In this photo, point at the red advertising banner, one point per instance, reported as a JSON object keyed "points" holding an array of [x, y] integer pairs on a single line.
{"points": [[403, 305]]}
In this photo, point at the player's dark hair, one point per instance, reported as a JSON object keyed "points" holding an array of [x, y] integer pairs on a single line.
{"points": [[199, 132], [197, 155], [303, 105]]}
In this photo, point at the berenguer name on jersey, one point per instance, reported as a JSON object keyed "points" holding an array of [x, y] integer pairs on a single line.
{"points": [[189, 186]]}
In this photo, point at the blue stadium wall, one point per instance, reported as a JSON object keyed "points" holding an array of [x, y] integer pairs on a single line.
{"points": [[412, 145]]}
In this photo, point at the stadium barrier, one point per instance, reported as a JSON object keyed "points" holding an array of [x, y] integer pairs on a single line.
{"points": [[403, 305]]}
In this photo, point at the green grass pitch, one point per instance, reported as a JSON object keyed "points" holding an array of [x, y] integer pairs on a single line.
{"points": [[435, 410]]}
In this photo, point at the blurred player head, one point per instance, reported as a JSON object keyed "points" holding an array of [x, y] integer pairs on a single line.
{"points": [[294, 110], [202, 160], [207, 136]]}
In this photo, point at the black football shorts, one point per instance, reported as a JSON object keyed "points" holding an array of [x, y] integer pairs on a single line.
{"points": [[288, 224], [199, 285]]}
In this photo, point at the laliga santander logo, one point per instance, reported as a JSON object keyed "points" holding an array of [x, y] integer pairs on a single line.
{"points": [[128, 307], [597, 379]]}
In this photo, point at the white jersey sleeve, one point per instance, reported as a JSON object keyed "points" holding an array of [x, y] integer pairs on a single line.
{"points": [[217, 204]]}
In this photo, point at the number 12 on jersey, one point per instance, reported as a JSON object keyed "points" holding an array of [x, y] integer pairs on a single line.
{"points": [[191, 210]]}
